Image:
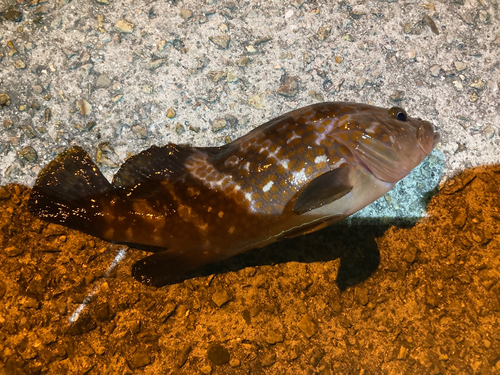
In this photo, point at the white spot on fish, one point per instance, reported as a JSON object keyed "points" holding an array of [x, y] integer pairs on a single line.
{"points": [[320, 159], [268, 186], [284, 163], [299, 177]]}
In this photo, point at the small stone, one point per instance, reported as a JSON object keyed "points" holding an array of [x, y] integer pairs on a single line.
{"points": [[47, 115], [316, 95], [403, 353], [56, 23], [124, 26], [488, 132], [458, 85], [262, 40], [323, 32], [307, 326], [19, 64], [361, 296], [412, 55], [183, 355], [458, 217], [459, 66], [106, 155], [218, 354], [233, 362], [243, 61], [37, 89], [13, 15], [257, 101], [435, 70], [473, 97], [13, 251], [160, 46], [290, 88], [103, 81], [186, 14], [220, 298], [155, 64], [397, 95], [221, 42], [4, 100], [216, 75], [317, 355], [171, 113], [84, 107], [179, 128], [274, 337], [139, 359], [478, 84], [231, 78], [410, 253], [268, 359], [117, 98], [28, 154]]}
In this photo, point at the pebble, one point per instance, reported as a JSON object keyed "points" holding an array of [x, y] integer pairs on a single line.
{"points": [[4, 100], [220, 298], [13, 15], [262, 40], [397, 96], [488, 132], [186, 14], [458, 85], [160, 46], [316, 356], [28, 154], [323, 32], [435, 70], [155, 64], [459, 66], [84, 107], [274, 337], [124, 26], [233, 362], [13, 251], [218, 354], [268, 359], [410, 253], [19, 64], [117, 98], [221, 42], [171, 113], [216, 75], [139, 359], [103, 81], [257, 101], [179, 128], [478, 84], [290, 88], [307, 326], [361, 295]]}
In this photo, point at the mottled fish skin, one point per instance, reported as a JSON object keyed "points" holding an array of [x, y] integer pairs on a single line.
{"points": [[295, 174]]}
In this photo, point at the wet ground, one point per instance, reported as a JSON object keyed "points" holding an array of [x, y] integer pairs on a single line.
{"points": [[422, 299]]}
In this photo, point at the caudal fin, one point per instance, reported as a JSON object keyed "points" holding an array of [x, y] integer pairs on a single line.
{"points": [[65, 190]]}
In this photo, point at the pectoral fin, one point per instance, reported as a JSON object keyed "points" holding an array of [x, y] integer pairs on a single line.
{"points": [[324, 189]]}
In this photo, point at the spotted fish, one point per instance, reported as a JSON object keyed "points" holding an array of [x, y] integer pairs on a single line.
{"points": [[293, 175]]}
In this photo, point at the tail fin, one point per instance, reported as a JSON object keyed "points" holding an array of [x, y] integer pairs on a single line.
{"points": [[64, 190]]}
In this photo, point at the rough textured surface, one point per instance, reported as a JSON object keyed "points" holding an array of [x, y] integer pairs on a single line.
{"points": [[117, 76], [427, 301]]}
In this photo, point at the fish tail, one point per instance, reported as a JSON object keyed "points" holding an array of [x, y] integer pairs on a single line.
{"points": [[65, 191]]}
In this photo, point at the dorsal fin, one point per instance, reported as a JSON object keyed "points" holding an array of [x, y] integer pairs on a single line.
{"points": [[158, 163]]}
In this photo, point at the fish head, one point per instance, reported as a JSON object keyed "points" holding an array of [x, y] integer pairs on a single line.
{"points": [[386, 142]]}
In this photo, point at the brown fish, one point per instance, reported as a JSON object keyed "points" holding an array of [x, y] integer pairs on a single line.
{"points": [[295, 174]]}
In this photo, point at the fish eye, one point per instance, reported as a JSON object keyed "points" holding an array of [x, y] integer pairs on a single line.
{"points": [[398, 113]]}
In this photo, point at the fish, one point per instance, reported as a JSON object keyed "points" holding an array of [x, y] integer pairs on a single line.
{"points": [[295, 174]]}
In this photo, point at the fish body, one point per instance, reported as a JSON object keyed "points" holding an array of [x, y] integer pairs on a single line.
{"points": [[293, 175]]}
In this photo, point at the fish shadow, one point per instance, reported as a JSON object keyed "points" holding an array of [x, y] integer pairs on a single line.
{"points": [[354, 244]]}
